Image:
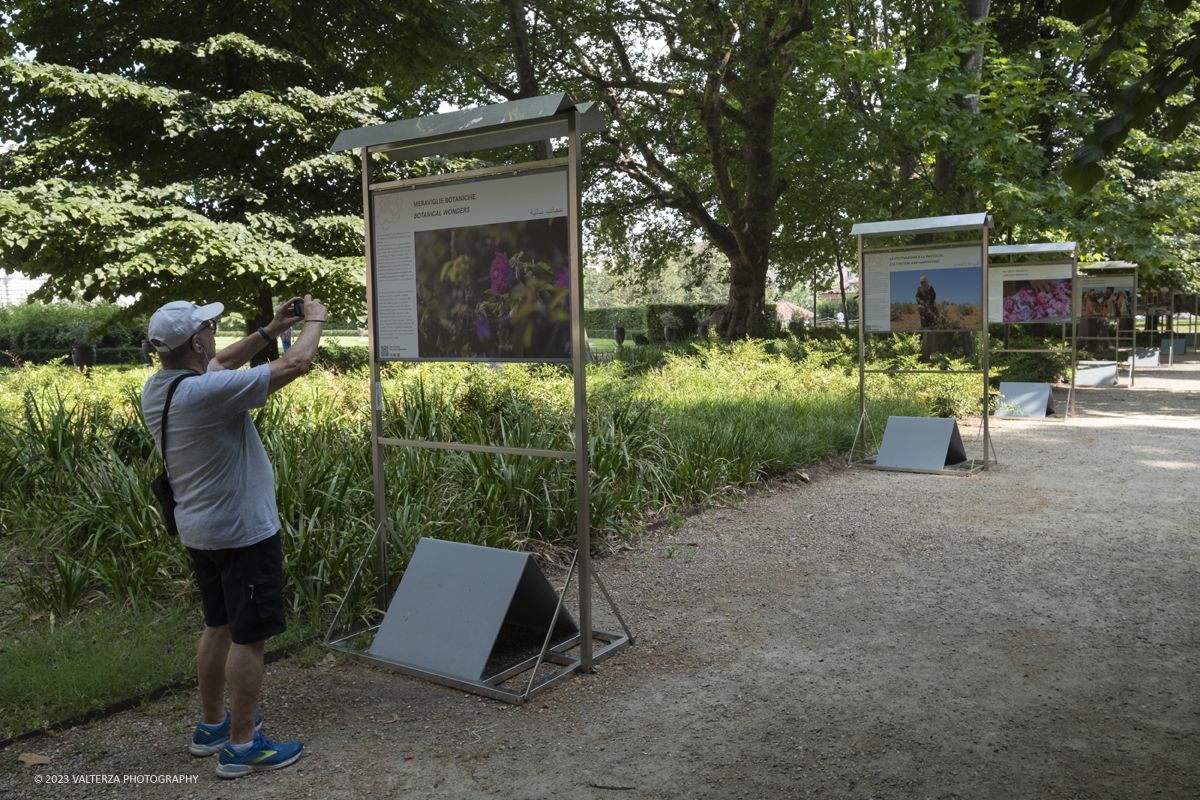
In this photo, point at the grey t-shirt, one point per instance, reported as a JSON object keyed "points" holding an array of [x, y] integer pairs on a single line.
{"points": [[222, 479]]}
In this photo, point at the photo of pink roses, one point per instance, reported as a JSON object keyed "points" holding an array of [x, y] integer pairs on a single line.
{"points": [[1037, 300], [494, 292]]}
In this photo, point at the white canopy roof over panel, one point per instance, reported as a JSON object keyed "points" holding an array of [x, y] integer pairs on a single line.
{"points": [[1109, 265], [1043, 247], [904, 227]]}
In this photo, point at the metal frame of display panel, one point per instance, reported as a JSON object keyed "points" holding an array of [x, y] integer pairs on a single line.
{"points": [[1036, 249], [1126, 269], [1193, 314], [504, 124], [1171, 351], [862, 455]]}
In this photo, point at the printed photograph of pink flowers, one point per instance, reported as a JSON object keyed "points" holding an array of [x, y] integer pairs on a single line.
{"points": [[1037, 300], [494, 292]]}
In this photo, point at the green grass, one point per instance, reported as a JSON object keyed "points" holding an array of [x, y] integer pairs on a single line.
{"points": [[603, 345], [55, 673], [90, 660]]}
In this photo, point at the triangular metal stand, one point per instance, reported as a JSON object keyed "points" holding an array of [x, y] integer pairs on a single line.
{"points": [[490, 685], [868, 459]]}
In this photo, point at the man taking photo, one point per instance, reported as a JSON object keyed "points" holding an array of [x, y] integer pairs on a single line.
{"points": [[225, 511]]}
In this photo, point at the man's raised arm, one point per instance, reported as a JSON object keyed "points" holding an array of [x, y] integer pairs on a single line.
{"points": [[299, 356], [239, 353]]}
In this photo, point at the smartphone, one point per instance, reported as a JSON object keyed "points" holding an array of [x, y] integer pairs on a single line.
{"points": [[299, 308]]}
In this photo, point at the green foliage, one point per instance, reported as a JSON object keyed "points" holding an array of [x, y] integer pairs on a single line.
{"points": [[181, 150], [1168, 44], [669, 319], [683, 279], [58, 589], [836, 349], [689, 316], [43, 326], [205, 189], [828, 309], [109, 356], [338, 358], [85, 662], [1029, 367], [76, 460], [668, 428]]}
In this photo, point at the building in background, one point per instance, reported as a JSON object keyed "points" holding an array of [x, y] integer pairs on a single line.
{"points": [[15, 288]]}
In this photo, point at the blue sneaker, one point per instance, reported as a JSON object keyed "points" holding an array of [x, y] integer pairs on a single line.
{"points": [[208, 739], [262, 756]]}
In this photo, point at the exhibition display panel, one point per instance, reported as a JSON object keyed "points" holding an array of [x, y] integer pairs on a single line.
{"points": [[1106, 296], [483, 265], [933, 288], [1037, 289], [1164, 305]]}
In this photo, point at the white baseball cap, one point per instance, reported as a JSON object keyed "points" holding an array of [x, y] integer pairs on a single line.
{"points": [[178, 321]]}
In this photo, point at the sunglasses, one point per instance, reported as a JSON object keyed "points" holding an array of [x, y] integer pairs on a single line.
{"points": [[212, 323]]}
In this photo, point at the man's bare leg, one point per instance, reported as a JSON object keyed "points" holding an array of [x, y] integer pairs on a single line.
{"points": [[211, 658], [244, 676]]}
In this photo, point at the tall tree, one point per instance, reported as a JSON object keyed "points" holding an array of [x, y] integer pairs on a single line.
{"points": [[691, 94], [899, 75], [213, 188], [160, 169]]}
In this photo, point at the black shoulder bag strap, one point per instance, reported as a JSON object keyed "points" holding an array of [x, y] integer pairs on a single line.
{"points": [[161, 486]]}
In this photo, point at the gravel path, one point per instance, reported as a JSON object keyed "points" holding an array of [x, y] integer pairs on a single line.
{"points": [[1028, 633]]}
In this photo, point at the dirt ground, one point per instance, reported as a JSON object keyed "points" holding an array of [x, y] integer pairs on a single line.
{"points": [[1031, 632]]}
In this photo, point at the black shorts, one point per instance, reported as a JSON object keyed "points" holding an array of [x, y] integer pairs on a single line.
{"points": [[242, 587]]}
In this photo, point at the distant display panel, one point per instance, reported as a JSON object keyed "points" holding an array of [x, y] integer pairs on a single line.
{"points": [[1105, 296], [1159, 304], [1029, 293]]}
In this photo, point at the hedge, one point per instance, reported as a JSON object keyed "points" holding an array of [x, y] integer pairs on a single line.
{"points": [[343, 359], [104, 355], [601, 320]]}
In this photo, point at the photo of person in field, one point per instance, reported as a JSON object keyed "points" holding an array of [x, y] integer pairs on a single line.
{"points": [[937, 299], [495, 292]]}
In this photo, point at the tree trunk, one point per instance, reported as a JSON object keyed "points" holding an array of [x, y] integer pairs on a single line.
{"points": [[527, 83], [750, 212], [970, 62], [745, 312], [837, 260], [946, 183]]}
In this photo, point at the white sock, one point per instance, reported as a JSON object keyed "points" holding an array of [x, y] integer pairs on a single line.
{"points": [[241, 748]]}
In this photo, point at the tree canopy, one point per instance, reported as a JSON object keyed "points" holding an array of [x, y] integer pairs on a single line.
{"points": [[164, 169], [175, 149], [210, 185], [1158, 98]]}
